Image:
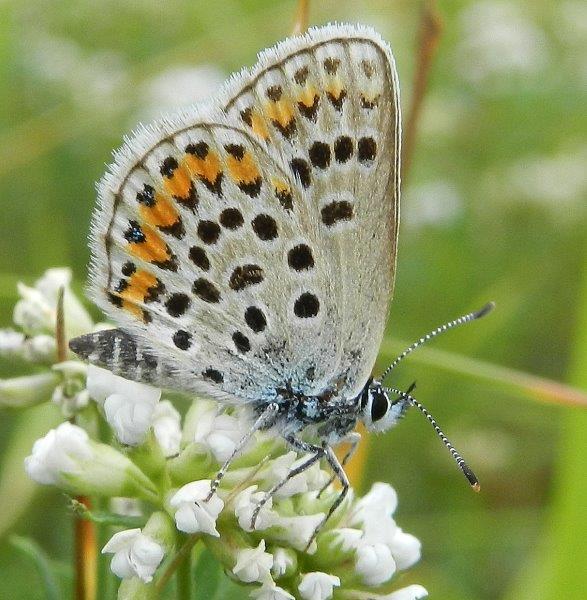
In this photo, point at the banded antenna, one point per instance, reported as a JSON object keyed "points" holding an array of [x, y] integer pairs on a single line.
{"points": [[463, 466], [473, 316]]}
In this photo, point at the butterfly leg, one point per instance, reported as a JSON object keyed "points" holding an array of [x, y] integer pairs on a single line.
{"points": [[341, 476], [317, 452], [353, 439], [265, 419]]}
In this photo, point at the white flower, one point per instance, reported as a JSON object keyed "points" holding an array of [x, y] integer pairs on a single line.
{"points": [[270, 591], [128, 405], [11, 343], [406, 549], [284, 561], [296, 531], [278, 469], [316, 477], [318, 586], [167, 427], [192, 514], [253, 564], [373, 513], [411, 592], [135, 554], [246, 503], [36, 312], [346, 538], [40, 348], [374, 563], [220, 433], [61, 451], [380, 498]]}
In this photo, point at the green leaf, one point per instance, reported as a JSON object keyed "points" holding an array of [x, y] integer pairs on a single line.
{"points": [[16, 489], [41, 561]]}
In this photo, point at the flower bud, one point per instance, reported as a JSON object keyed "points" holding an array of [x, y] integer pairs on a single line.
{"points": [[253, 564], [11, 343], [192, 512], [29, 390], [317, 586], [167, 427], [67, 458], [285, 563], [35, 312]]}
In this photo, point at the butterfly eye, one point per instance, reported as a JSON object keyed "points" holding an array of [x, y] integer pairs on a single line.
{"points": [[379, 406]]}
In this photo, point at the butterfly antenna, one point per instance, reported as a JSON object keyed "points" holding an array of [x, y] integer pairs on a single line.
{"points": [[450, 325], [463, 466]]}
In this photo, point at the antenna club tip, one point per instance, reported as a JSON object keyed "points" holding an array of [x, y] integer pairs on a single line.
{"points": [[476, 487], [484, 310]]}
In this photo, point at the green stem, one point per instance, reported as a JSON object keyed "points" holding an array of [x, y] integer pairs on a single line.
{"points": [[183, 555], [184, 578]]}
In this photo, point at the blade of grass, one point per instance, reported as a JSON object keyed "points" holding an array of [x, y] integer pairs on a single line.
{"points": [[557, 570], [41, 561], [516, 382]]}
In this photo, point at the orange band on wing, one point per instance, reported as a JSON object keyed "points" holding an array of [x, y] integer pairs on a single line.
{"points": [[243, 170], [179, 183], [161, 214], [151, 249]]}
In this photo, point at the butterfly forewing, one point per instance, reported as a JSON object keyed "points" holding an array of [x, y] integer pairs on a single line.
{"points": [[250, 246]]}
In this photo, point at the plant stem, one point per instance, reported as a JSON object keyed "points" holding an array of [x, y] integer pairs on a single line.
{"points": [[85, 549], [184, 578], [85, 556], [183, 554], [302, 17], [430, 31]]}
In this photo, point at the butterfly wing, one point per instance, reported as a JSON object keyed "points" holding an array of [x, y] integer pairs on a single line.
{"points": [[252, 245], [326, 105]]}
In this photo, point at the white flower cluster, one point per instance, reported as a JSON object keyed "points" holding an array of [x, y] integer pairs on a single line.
{"points": [[164, 469]]}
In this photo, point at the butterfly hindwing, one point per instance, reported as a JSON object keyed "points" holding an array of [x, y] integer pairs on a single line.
{"points": [[326, 105], [250, 245]]}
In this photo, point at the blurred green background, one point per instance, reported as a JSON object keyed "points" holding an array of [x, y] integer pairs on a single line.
{"points": [[495, 208]]}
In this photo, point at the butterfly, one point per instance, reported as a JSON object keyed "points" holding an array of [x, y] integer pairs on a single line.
{"points": [[246, 247]]}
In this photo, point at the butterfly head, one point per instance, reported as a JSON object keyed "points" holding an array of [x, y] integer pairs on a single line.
{"points": [[378, 411]]}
